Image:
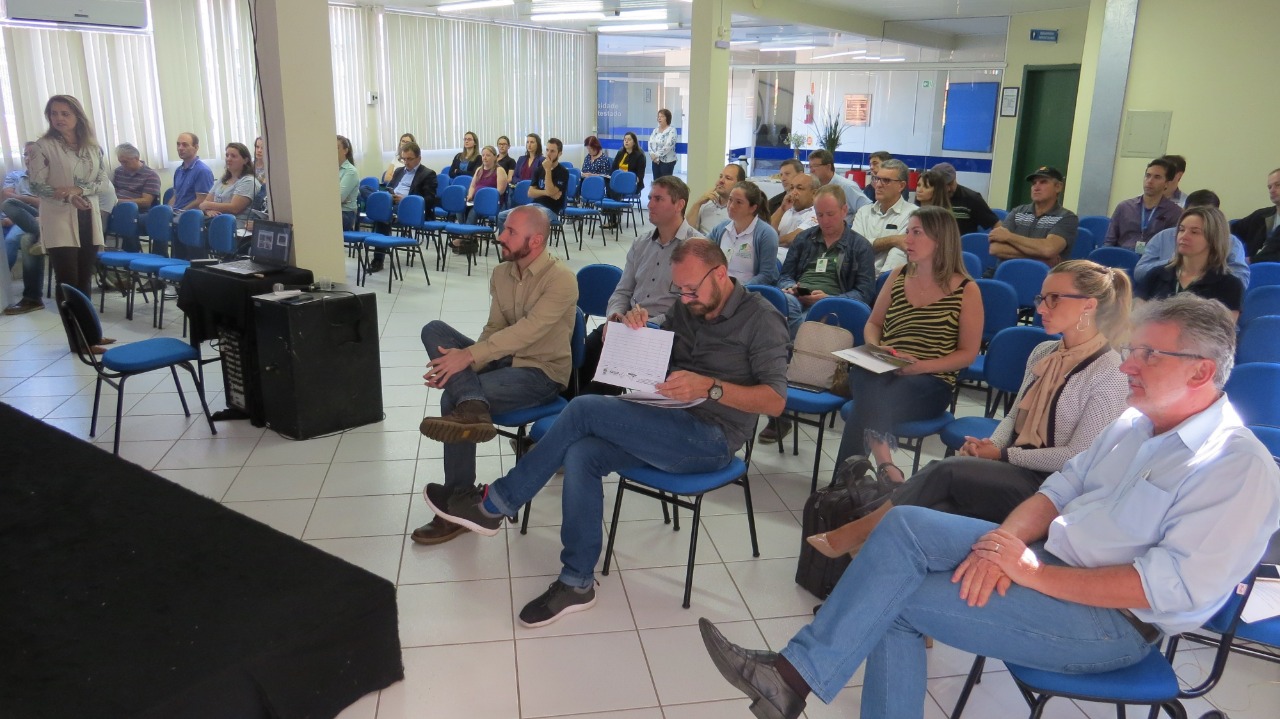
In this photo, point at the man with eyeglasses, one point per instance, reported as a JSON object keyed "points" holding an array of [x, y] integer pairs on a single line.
{"points": [[822, 165], [1145, 534], [413, 178], [1040, 230], [729, 356], [884, 222]]}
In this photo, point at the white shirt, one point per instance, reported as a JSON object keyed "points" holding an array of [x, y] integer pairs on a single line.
{"points": [[793, 220], [740, 248], [1191, 510], [872, 223], [711, 214]]}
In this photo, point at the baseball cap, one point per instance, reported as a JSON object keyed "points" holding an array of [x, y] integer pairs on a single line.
{"points": [[947, 170], [1050, 172]]}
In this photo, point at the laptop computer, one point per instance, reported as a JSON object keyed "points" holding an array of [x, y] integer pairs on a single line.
{"points": [[268, 250]]}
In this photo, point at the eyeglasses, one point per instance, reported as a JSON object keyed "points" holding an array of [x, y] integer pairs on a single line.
{"points": [[1144, 354], [681, 292], [884, 180], [1052, 298]]}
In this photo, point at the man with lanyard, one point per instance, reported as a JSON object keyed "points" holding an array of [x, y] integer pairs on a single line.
{"points": [[1137, 220]]}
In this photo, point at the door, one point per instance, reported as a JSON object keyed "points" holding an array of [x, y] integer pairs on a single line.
{"points": [[1044, 126]]}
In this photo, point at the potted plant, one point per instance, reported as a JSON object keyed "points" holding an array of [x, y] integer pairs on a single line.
{"points": [[830, 129], [796, 141]]}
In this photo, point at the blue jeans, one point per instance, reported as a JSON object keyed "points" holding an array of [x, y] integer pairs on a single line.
{"points": [[796, 313], [898, 590], [503, 387], [663, 169], [596, 435], [881, 401], [348, 220], [502, 216], [24, 216]]}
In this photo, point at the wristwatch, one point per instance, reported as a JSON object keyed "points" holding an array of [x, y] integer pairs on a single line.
{"points": [[716, 391]]}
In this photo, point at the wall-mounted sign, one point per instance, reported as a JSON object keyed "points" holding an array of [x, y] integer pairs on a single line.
{"points": [[1044, 36], [1009, 102], [857, 110]]}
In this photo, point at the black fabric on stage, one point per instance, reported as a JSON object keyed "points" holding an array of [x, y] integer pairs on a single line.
{"points": [[125, 595]]}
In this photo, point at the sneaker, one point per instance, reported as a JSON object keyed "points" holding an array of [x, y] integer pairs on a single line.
{"points": [[23, 306], [559, 599], [462, 507], [468, 422], [775, 431]]}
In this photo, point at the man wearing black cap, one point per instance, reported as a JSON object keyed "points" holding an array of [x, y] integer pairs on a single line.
{"points": [[1043, 230], [972, 212]]}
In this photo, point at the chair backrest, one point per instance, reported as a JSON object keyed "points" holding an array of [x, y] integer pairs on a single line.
{"points": [[124, 220], [412, 210], [369, 182], [592, 189], [168, 195], [1006, 362], [1085, 243], [378, 207], [1117, 257], [454, 199], [578, 344], [1254, 390], [444, 173], [1260, 302], [1025, 276], [222, 235], [487, 201], [999, 307], [160, 223], [1260, 341], [596, 284], [1097, 224], [623, 182], [972, 264], [463, 181], [191, 229], [976, 244], [571, 190], [773, 294], [1262, 274], [566, 165], [850, 314], [881, 278], [80, 320], [520, 195], [1000, 213]]}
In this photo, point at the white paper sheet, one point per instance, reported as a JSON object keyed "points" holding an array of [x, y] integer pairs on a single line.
{"points": [[1264, 601], [657, 400], [634, 358], [873, 358]]}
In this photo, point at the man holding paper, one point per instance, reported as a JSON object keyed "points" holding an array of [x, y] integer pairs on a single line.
{"points": [[646, 277], [729, 350], [522, 358]]}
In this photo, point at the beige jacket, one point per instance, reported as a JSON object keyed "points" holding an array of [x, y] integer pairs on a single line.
{"points": [[54, 166], [531, 318]]}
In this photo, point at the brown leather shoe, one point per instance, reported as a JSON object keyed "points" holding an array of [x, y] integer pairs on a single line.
{"points": [[468, 422], [437, 531]]}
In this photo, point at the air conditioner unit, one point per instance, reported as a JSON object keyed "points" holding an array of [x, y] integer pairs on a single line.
{"points": [[110, 13]]}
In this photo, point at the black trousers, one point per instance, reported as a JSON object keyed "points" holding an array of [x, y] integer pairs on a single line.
{"points": [[74, 265], [590, 361], [970, 486]]}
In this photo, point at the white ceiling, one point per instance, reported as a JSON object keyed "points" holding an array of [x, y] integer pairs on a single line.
{"points": [[943, 17]]}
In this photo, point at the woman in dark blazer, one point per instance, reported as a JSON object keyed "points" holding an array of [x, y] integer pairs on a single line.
{"points": [[631, 159]]}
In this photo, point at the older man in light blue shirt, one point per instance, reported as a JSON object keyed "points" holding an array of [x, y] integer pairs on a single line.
{"points": [[1164, 245], [1146, 533]]}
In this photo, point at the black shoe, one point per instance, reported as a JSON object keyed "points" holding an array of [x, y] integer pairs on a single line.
{"points": [[753, 673], [559, 599], [462, 508], [775, 431], [374, 267]]}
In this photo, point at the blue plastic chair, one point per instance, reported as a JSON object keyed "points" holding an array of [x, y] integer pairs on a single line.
{"points": [[1260, 302], [1262, 274], [976, 244], [881, 278], [849, 314], [999, 311], [911, 435], [377, 209], [590, 194], [1085, 243], [773, 294], [1000, 213], [369, 183], [1005, 366], [1117, 257], [596, 284], [1026, 277], [118, 364], [1097, 225], [972, 264], [670, 489], [463, 181], [1254, 390], [623, 184], [123, 222], [394, 246], [520, 195], [1260, 341]]}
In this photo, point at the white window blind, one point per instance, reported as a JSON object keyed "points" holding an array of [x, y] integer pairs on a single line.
{"points": [[353, 32]]}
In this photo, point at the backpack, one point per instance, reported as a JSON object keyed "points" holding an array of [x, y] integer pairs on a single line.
{"points": [[854, 493]]}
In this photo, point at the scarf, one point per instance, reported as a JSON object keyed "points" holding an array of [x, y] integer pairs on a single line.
{"points": [[1032, 423]]}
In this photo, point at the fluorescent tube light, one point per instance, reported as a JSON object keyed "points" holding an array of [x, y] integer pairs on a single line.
{"points": [[473, 5], [541, 17], [634, 28]]}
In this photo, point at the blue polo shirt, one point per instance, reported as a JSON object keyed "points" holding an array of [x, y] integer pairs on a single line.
{"points": [[189, 181]]}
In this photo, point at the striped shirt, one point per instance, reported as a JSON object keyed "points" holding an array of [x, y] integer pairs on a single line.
{"points": [[927, 332], [132, 185]]}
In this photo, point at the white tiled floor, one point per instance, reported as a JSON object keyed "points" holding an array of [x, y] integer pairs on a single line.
{"points": [[636, 655]]}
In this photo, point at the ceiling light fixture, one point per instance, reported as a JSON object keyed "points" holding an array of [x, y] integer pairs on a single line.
{"points": [[651, 27], [786, 48], [633, 15], [839, 54], [548, 16], [473, 5]]}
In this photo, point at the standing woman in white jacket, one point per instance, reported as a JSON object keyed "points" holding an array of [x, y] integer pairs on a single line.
{"points": [[68, 169]]}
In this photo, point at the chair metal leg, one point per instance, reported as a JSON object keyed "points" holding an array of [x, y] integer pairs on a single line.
{"points": [[115, 449], [97, 396], [173, 369], [975, 676], [197, 376], [693, 550], [613, 525], [751, 514], [817, 451]]}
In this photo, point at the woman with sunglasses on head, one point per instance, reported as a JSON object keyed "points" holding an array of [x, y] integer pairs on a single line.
{"points": [[1072, 390], [1199, 264]]}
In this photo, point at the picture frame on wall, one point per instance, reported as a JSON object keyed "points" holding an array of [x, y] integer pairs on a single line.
{"points": [[1009, 102]]}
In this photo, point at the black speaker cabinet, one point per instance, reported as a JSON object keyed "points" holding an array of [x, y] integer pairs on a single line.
{"points": [[318, 361]]}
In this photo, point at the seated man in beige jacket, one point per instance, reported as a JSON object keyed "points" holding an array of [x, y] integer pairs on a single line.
{"points": [[522, 358]]}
